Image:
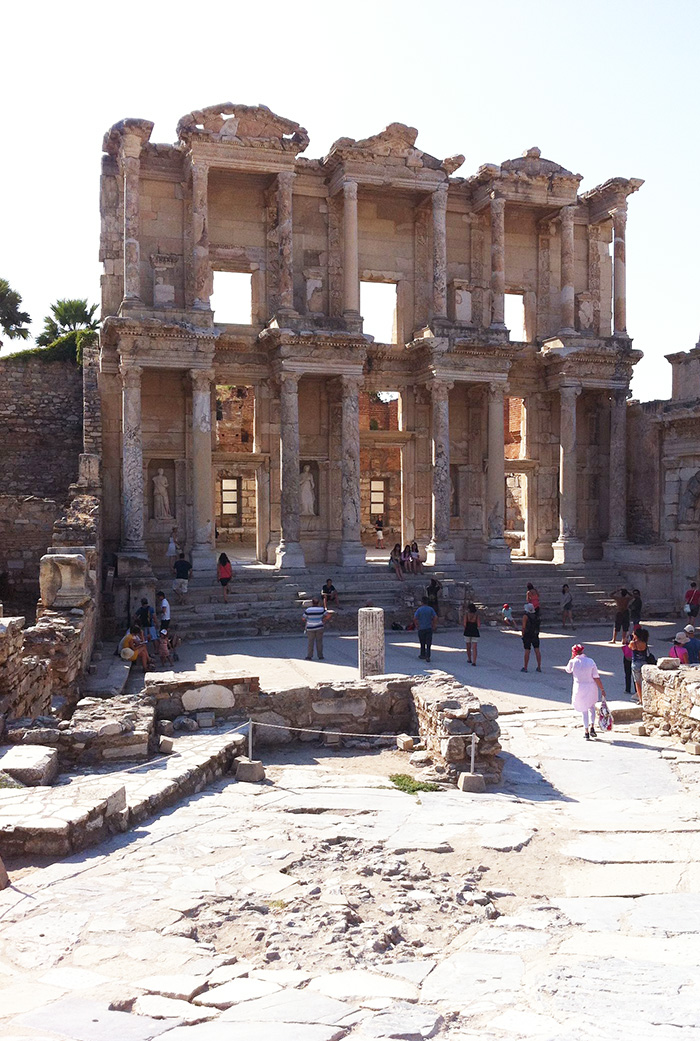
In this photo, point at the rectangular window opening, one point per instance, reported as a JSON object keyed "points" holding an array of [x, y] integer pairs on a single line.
{"points": [[230, 503], [377, 494], [514, 316], [232, 298], [378, 305]]}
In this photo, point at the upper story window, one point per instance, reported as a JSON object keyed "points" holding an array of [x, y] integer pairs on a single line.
{"points": [[232, 298]]}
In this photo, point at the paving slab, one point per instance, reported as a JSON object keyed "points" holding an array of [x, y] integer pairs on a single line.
{"points": [[474, 974], [291, 1006], [237, 990], [90, 1021], [221, 1031], [361, 983], [409, 1023]]}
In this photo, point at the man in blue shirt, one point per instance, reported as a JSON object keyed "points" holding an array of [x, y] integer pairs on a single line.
{"points": [[426, 623], [692, 646]]}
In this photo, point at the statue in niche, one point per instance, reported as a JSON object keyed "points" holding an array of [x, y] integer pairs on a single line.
{"points": [[161, 499], [307, 496]]}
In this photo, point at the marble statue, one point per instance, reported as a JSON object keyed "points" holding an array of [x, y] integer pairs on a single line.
{"points": [[161, 499], [307, 498]]}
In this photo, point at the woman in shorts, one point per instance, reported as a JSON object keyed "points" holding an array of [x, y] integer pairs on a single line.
{"points": [[470, 620]]}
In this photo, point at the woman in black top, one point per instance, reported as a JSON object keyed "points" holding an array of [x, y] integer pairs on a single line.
{"points": [[431, 591]]}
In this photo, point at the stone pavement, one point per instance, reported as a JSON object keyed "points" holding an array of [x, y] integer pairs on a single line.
{"points": [[325, 904]]}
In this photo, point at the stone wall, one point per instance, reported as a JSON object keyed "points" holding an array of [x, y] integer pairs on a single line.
{"points": [[25, 679], [41, 420], [671, 699], [26, 525]]}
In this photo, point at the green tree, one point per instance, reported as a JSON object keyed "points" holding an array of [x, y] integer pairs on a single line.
{"points": [[12, 320], [67, 316]]}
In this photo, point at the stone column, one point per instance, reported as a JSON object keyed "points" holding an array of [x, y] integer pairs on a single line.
{"points": [[370, 641], [352, 552], [440, 549], [567, 271], [351, 268], [203, 552], [568, 547], [200, 236], [617, 484], [440, 252], [498, 261], [131, 169], [132, 461], [289, 552], [619, 216], [285, 186], [497, 548]]}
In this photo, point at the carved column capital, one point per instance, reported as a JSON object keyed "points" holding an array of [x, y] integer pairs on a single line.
{"points": [[566, 214], [498, 203], [285, 180], [350, 189], [351, 385], [570, 391], [439, 389], [289, 381], [439, 197], [202, 379], [619, 218], [130, 373]]}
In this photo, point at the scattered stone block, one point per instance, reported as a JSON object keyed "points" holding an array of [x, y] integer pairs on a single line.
{"points": [[185, 723], [331, 739], [165, 745], [4, 878], [205, 720], [692, 748], [404, 743], [211, 695], [668, 664], [471, 783], [637, 729], [31, 764], [251, 770]]}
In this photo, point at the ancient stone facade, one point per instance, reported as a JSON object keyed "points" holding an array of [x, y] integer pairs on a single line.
{"points": [[234, 197]]}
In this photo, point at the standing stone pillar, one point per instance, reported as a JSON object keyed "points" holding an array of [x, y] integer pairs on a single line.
{"points": [[497, 548], [285, 186], [567, 271], [351, 263], [617, 484], [131, 169], [352, 552], [203, 497], [289, 552], [619, 216], [200, 236], [370, 641], [440, 252], [132, 461], [498, 262], [440, 549], [568, 547]]}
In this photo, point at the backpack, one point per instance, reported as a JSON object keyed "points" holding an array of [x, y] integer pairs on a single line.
{"points": [[651, 658]]}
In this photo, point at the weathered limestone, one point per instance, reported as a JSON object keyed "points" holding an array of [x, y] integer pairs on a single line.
{"points": [[200, 236], [498, 261], [568, 547], [351, 551], [250, 770], [203, 548], [351, 276], [619, 216], [495, 482], [63, 580], [285, 187], [132, 460], [617, 532], [671, 699], [440, 549], [289, 551], [370, 641], [439, 201], [567, 271], [30, 764]]}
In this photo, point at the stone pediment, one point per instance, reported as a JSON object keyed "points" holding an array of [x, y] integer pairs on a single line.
{"points": [[254, 126], [396, 144], [530, 166]]}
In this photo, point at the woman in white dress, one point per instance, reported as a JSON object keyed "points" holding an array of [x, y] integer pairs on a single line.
{"points": [[172, 550], [587, 685]]}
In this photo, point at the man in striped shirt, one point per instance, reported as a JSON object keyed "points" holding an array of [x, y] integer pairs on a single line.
{"points": [[314, 617]]}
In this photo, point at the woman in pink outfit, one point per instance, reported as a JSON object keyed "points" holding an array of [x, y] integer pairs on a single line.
{"points": [[587, 684]]}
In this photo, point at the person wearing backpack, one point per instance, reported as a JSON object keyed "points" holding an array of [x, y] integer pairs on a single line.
{"points": [[146, 619]]}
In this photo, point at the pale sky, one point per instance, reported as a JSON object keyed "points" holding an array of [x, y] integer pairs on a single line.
{"points": [[606, 88]]}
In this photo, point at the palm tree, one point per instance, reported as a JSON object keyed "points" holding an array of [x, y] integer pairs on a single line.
{"points": [[12, 320], [67, 316]]}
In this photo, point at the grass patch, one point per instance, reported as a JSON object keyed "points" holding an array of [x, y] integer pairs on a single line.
{"points": [[408, 784], [276, 905]]}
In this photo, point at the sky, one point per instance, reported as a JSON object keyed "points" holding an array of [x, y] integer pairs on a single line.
{"points": [[603, 88]]}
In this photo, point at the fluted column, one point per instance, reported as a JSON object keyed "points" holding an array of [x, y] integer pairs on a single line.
{"points": [[202, 492], [289, 552], [440, 252], [617, 484], [568, 546], [497, 549], [200, 236], [498, 261], [351, 263], [285, 186], [351, 549], [132, 460], [131, 170], [619, 216], [440, 549], [567, 271]]}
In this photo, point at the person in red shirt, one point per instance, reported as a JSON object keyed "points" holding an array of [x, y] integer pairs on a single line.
{"points": [[692, 600]]}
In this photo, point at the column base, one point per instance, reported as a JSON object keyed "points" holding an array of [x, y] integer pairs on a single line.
{"points": [[498, 552], [352, 554], [613, 549], [439, 553], [289, 556], [203, 561], [567, 551], [133, 563]]}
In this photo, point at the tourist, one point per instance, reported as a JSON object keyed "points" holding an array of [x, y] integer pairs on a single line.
{"points": [[622, 599], [407, 559], [314, 617], [639, 645], [395, 562], [692, 601], [692, 646], [431, 591], [470, 621], [636, 608], [415, 557], [530, 634], [138, 647], [567, 606], [224, 573], [163, 606], [171, 551], [329, 594], [507, 616], [587, 683], [627, 655], [678, 648], [379, 531], [426, 622], [165, 652], [182, 569], [145, 618], [532, 596]]}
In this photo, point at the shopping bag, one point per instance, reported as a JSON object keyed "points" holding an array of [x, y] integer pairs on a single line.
{"points": [[605, 719]]}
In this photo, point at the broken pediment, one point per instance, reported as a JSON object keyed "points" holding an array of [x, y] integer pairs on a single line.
{"points": [[246, 125], [139, 129], [395, 142]]}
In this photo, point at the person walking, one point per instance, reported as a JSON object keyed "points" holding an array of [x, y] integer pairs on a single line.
{"points": [[224, 573], [692, 646], [692, 601], [587, 683], [639, 645], [182, 569], [530, 634], [678, 648], [627, 655], [432, 590], [426, 623], [636, 608], [163, 606], [379, 532], [470, 620], [171, 551], [623, 599], [314, 618], [567, 606]]}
